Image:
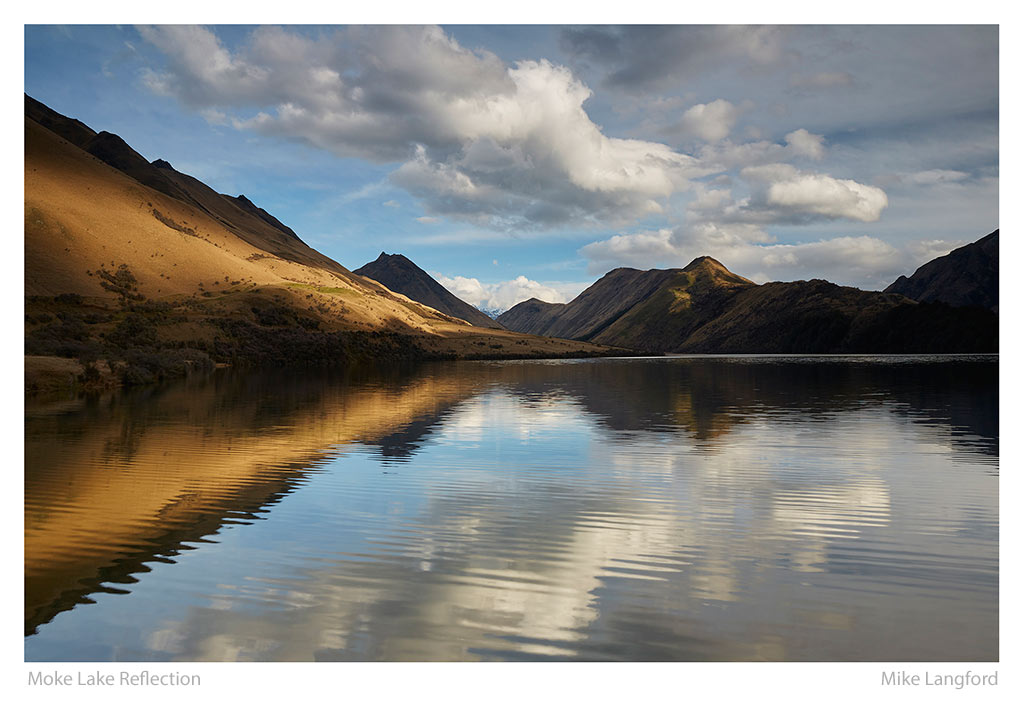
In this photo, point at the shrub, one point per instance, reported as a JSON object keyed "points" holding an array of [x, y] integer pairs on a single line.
{"points": [[134, 330], [122, 281]]}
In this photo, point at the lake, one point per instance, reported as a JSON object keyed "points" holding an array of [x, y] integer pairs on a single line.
{"points": [[675, 508]]}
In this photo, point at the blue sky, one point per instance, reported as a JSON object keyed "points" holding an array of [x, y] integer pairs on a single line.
{"points": [[513, 162]]}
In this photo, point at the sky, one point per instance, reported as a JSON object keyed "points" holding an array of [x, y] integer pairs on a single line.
{"points": [[527, 161]]}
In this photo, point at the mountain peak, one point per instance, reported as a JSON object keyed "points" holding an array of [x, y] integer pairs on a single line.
{"points": [[716, 270], [160, 163], [396, 258], [402, 275], [705, 262]]}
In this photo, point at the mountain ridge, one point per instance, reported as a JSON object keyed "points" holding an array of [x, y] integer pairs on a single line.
{"points": [[129, 282], [968, 275], [400, 274], [706, 308]]}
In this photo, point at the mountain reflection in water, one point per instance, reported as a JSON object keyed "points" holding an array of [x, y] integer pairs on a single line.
{"points": [[643, 509]]}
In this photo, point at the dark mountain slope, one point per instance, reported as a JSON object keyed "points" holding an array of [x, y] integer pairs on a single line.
{"points": [[688, 299], [819, 317], [531, 316], [705, 308], [76, 132], [403, 276], [633, 306], [965, 276]]}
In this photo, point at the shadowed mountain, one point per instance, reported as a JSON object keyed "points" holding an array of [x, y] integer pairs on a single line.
{"points": [[620, 302], [531, 316], [403, 276], [705, 308], [965, 276], [818, 317]]}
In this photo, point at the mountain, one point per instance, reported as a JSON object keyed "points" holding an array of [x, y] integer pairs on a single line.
{"points": [[644, 309], [819, 317], [965, 276], [705, 308], [403, 276], [531, 316], [135, 271]]}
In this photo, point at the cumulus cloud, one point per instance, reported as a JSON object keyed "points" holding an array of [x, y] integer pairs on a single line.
{"points": [[504, 146], [803, 143], [817, 194], [502, 296], [639, 250], [786, 194], [711, 122], [727, 155]]}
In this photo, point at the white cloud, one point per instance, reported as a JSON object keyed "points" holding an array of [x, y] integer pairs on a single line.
{"points": [[727, 155], [427, 220], [803, 143], [536, 158], [712, 121], [503, 295], [505, 146], [924, 250], [639, 250], [787, 194], [829, 197]]}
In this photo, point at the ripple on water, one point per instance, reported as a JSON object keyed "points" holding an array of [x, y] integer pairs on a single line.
{"points": [[680, 509]]}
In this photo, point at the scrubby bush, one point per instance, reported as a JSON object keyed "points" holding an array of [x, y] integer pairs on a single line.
{"points": [[122, 281], [135, 330], [145, 366]]}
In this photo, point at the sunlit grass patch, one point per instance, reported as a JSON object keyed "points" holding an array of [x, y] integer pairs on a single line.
{"points": [[326, 289]]}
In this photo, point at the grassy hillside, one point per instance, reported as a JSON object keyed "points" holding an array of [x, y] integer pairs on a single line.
{"points": [[134, 284], [689, 298]]}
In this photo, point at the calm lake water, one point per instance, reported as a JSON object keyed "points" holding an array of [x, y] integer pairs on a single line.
{"points": [[757, 508]]}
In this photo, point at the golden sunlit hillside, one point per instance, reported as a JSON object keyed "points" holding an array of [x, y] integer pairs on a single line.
{"points": [[140, 277]]}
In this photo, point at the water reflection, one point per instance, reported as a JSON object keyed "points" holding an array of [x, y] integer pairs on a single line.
{"points": [[636, 509], [115, 482]]}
